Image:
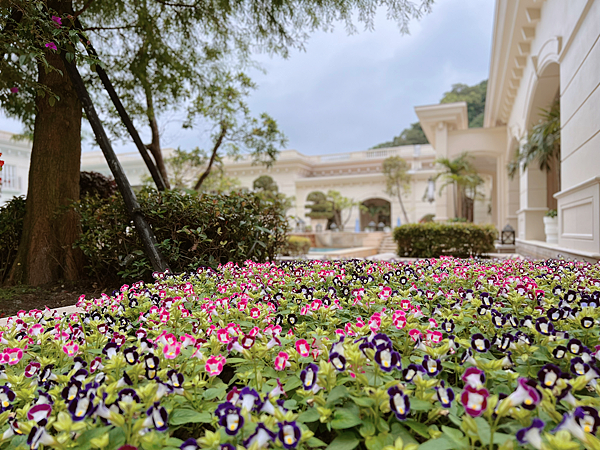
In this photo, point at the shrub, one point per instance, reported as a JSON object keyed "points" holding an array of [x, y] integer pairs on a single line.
{"points": [[191, 231], [297, 245], [12, 215], [430, 240], [436, 354], [94, 183]]}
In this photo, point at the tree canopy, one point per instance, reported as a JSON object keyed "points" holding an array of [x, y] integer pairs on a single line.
{"points": [[473, 95]]}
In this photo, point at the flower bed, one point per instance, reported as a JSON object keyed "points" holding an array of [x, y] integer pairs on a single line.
{"points": [[439, 354]]}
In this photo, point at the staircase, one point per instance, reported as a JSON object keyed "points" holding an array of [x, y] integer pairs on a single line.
{"points": [[388, 245]]}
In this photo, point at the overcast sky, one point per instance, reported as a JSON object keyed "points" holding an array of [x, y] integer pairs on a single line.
{"points": [[347, 93]]}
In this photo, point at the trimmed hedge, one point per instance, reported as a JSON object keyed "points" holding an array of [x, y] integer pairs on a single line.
{"points": [[430, 240], [297, 245], [12, 215], [191, 230]]}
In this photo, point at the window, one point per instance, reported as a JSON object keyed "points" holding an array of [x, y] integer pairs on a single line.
{"points": [[10, 180]]}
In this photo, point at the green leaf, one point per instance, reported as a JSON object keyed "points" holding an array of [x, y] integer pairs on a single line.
{"points": [[310, 415], [337, 393], [398, 431], [442, 443], [368, 428], [292, 384], [346, 417], [184, 415], [83, 441], [417, 427], [456, 436], [379, 441], [365, 402], [420, 405], [116, 438], [483, 430], [345, 441], [315, 442]]}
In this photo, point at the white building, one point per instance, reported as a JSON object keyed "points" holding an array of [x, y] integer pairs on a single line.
{"points": [[14, 174]]}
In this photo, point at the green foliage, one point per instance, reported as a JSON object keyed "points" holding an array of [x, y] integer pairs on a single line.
{"points": [[427, 218], [297, 245], [412, 135], [265, 183], [12, 215], [330, 206], [94, 183], [542, 144], [339, 204], [320, 207], [191, 230], [462, 175], [475, 98], [551, 213], [185, 167], [473, 95], [430, 240]]}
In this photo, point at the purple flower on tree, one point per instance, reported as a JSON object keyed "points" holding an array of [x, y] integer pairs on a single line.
{"points": [[51, 46]]}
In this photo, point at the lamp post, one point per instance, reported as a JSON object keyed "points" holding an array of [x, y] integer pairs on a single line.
{"points": [[430, 193], [507, 236]]}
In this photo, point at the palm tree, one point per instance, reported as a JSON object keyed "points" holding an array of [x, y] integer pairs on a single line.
{"points": [[542, 144], [461, 174]]}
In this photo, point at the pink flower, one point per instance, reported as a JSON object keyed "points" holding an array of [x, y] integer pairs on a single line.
{"points": [[12, 356], [51, 46], [214, 365], [36, 330], [302, 347], [187, 339], [71, 348], [415, 334], [400, 322], [14, 90], [281, 361], [57, 21], [255, 313], [172, 351]]}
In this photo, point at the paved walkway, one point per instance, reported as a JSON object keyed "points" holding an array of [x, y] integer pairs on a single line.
{"points": [[64, 310]]}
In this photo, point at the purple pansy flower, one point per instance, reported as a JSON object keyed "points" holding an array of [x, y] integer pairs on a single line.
{"points": [[531, 434], [399, 402], [289, 434], [261, 436]]}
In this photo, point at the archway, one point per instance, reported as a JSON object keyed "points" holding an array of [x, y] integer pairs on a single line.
{"points": [[539, 186], [375, 210]]}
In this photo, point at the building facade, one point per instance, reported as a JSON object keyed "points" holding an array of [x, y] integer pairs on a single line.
{"points": [[14, 174], [543, 51]]}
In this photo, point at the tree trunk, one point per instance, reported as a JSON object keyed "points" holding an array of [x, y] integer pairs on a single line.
{"points": [[154, 147], [51, 226], [213, 155], [402, 204]]}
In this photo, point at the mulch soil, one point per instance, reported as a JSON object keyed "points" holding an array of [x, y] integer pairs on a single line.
{"points": [[56, 295]]}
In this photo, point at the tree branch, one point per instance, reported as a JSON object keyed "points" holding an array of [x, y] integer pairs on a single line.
{"points": [[82, 10], [212, 157]]}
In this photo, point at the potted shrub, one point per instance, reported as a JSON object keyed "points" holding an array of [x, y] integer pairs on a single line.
{"points": [[551, 226]]}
